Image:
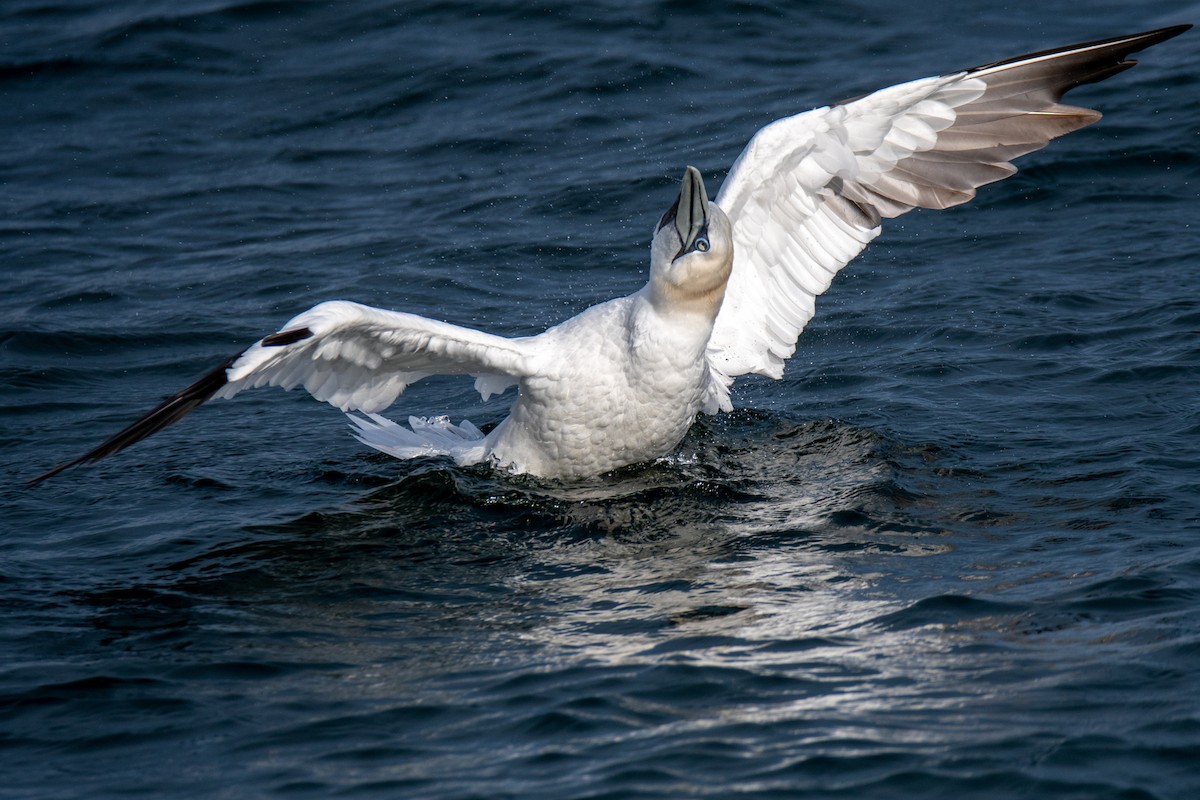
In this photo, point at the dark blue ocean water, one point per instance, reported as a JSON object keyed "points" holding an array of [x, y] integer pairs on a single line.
{"points": [[954, 553]]}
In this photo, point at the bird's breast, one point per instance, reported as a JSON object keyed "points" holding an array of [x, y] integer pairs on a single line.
{"points": [[624, 387]]}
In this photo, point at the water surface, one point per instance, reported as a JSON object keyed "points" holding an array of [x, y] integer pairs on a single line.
{"points": [[955, 552]]}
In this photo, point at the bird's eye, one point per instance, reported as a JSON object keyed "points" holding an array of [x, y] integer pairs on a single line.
{"points": [[702, 244]]}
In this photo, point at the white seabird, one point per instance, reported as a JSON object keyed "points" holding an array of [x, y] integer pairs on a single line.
{"points": [[732, 281]]}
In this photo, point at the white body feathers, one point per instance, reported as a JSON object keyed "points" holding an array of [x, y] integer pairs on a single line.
{"points": [[617, 384]]}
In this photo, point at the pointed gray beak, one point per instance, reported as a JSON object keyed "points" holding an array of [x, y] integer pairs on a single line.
{"points": [[689, 212]]}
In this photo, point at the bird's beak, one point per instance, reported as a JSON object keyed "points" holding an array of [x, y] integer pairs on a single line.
{"points": [[689, 212]]}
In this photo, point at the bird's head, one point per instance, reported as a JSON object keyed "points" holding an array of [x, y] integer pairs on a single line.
{"points": [[692, 254]]}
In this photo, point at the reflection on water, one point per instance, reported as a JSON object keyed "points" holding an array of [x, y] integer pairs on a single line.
{"points": [[771, 573], [760, 539]]}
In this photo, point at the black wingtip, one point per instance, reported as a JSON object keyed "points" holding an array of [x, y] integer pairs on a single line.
{"points": [[173, 409], [168, 412], [29, 484], [1120, 47]]}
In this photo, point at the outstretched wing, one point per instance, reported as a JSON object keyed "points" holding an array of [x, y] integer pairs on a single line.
{"points": [[808, 192], [351, 356], [360, 358]]}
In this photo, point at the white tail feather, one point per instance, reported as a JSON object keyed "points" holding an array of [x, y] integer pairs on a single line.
{"points": [[426, 436]]}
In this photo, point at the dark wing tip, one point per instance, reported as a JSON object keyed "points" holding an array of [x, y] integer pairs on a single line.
{"points": [[1119, 46], [168, 412]]}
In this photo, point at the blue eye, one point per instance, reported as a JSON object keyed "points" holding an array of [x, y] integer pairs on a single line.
{"points": [[701, 244]]}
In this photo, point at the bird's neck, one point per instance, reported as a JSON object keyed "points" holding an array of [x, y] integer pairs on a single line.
{"points": [[687, 320], [671, 302]]}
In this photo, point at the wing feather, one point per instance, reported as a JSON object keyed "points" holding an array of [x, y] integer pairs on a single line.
{"points": [[360, 358], [808, 192], [352, 356]]}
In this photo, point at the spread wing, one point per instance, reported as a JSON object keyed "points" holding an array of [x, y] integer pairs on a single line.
{"points": [[351, 356], [808, 192]]}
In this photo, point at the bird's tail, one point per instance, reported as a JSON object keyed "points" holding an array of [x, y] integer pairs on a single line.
{"points": [[432, 436]]}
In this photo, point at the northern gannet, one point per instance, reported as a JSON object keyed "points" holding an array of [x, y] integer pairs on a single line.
{"points": [[732, 281]]}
